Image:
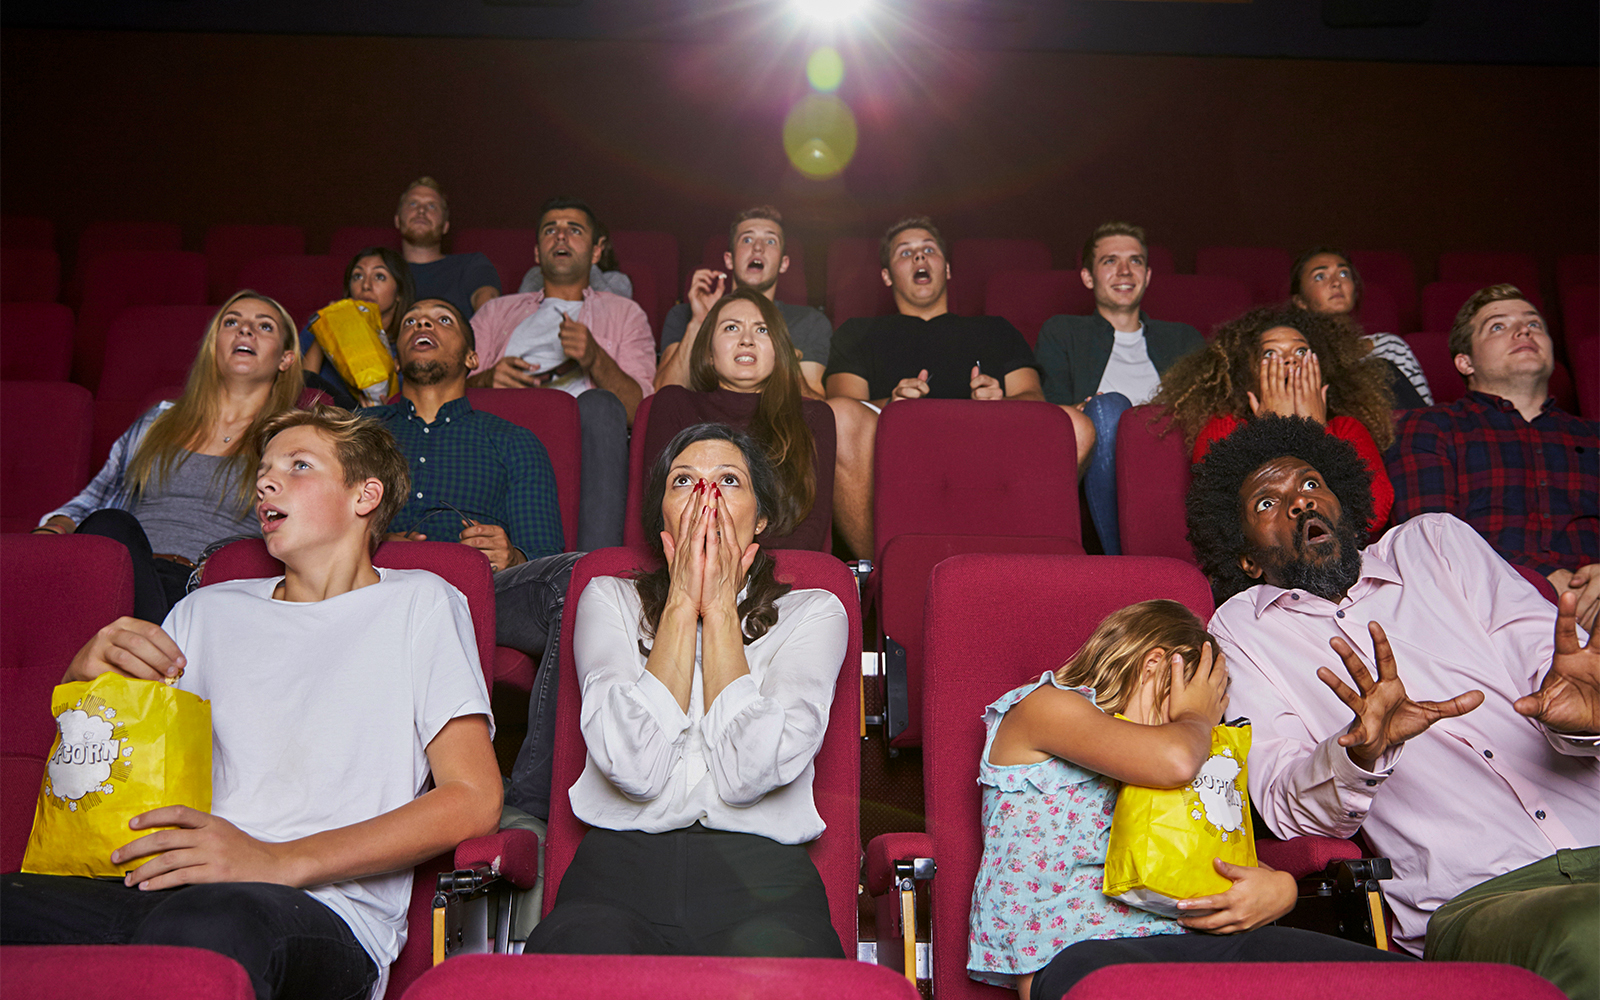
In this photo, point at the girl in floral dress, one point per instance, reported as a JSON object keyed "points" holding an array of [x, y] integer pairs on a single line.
{"points": [[1052, 763]]}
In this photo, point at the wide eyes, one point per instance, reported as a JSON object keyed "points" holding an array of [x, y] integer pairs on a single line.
{"points": [[1311, 484]]}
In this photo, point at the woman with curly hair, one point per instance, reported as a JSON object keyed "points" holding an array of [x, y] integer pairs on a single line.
{"points": [[1286, 361]]}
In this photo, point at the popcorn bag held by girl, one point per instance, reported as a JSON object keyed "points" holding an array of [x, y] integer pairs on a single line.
{"points": [[1163, 839], [123, 746], [350, 334]]}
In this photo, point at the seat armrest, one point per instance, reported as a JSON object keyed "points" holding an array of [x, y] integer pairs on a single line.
{"points": [[1302, 856], [885, 849], [511, 854]]}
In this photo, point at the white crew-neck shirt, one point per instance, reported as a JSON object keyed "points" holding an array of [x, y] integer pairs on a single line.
{"points": [[1130, 370]]}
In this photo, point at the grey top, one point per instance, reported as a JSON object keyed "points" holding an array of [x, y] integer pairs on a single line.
{"points": [[614, 282], [809, 329], [192, 509]]}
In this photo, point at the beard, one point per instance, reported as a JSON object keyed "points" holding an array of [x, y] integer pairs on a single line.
{"points": [[1330, 578], [430, 372], [422, 235]]}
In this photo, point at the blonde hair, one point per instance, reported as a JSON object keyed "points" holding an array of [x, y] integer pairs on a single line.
{"points": [[1112, 661], [173, 434], [365, 450]]}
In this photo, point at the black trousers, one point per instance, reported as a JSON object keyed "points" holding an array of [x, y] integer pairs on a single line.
{"points": [[158, 584], [1265, 944], [689, 892], [289, 942]]}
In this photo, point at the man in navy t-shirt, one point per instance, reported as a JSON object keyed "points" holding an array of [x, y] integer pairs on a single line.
{"points": [[465, 280]]}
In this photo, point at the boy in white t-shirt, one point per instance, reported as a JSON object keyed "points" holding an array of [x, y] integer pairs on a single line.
{"points": [[336, 690]]}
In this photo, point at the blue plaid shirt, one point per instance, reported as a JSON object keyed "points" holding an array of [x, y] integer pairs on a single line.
{"points": [[488, 468]]}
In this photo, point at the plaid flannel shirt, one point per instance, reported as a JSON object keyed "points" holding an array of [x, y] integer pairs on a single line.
{"points": [[1532, 489]]}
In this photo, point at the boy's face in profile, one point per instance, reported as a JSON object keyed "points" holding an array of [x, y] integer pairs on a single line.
{"points": [[303, 504]]}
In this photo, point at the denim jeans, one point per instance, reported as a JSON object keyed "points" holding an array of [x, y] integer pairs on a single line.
{"points": [[1100, 480], [528, 601]]}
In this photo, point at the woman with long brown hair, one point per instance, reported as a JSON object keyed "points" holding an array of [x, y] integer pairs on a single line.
{"points": [[743, 371], [183, 476], [1289, 362]]}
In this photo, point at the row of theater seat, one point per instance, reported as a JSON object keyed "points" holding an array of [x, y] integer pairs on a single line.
{"points": [[986, 634]]}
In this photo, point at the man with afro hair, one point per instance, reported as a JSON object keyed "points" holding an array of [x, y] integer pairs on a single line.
{"points": [[1486, 800]]}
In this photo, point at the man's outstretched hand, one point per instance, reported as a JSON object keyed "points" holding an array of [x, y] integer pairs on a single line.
{"points": [[1385, 716], [1568, 700]]}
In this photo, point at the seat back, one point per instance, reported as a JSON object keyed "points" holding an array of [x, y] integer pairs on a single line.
{"points": [[1314, 981], [149, 346], [1264, 270], [121, 972], [1152, 481], [229, 247], [1433, 354], [115, 237], [1480, 268], [836, 785], [29, 274], [1202, 301], [347, 241], [1027, 298], [59, 591], [302, 283], [27, 231], [660, 977], [512, 251], [1393, 270], [632, 528], [35, 341], [1573, 270], [974, 260], [115, 280], [552, 416], [656, 252], [1585, 356], [985, 636], [1378, 313], [1580, 313], [45, 432], [791, 283], [855, 284]]}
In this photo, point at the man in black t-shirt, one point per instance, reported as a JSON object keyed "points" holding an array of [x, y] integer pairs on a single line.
{"points": [[922, 351], [465, 280]]}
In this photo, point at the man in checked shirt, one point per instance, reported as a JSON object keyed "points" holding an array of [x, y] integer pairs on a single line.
{"points": [[1504, 458]]}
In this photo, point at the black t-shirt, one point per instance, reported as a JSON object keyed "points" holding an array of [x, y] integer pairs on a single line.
{"points": [[885, 349], [454, 278]]}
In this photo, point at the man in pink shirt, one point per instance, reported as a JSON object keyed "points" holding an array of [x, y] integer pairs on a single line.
{"points": [[1485, 796]]}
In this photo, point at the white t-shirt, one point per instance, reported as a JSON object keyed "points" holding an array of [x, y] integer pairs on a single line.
{"points": [[322, 712], [746, 765], [537, 340], [1130, 370]]}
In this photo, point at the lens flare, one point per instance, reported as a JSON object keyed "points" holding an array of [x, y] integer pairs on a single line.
{"points": [[825, 69], [829, 11], [820, 136]]}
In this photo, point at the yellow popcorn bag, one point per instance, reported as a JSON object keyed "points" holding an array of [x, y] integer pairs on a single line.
{"points": [[350, 333], [123, 746], [1163, 839]]}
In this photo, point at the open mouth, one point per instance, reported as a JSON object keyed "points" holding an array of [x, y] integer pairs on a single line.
{"points": [[744, 359], [269, 517], [243, 348], [922, 276], [423, 340], [1316, 531]]}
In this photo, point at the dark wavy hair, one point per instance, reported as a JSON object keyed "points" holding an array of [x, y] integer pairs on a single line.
{"points": [[1215, 381], [758, 612], [1215, 512], [405, 287], [778, 422]]}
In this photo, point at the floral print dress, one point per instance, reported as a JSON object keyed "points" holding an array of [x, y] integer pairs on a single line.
{"points": [[1045, 830]]}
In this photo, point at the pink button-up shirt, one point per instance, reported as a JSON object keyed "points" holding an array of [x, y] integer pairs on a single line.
{"points": [[617, 324], [1472, 797]]}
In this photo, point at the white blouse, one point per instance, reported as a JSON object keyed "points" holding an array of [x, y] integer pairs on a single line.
{"points": [[743, 766]]}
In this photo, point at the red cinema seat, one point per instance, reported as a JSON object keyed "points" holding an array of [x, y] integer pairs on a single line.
{"points": [[59, 591], [151, 346], [1433, 354], [120, 972], [467, 570], [29, 274], [1006, 481], [1441, 300], [1585, 356], [659, 977], [301, 283], [1580, 313], [1378, 313], [1314, 981], [855, 282], [791, 283], [973, 260], [1488, 268], [117, 280], [1264, 270], [113, 237], [643, 277], [229, 247], [552, 416], [45, 432], [27, 231], [347, 241], [1027, 298], [632, 525], [657, 252], [1152, 481], [836, 785], [1577, 270], [1203, 301], [35, 341], [512, 251], [1393, 270]]}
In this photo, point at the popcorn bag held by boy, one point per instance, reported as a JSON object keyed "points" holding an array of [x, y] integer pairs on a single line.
{"points": [[1163, 839], [123, 746], [349, 332]]}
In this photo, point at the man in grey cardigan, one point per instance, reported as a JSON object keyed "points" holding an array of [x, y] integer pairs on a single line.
{"points": [[1111, 359]]}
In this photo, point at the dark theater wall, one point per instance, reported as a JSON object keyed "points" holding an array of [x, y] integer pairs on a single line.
{"points": [[323, 131]]}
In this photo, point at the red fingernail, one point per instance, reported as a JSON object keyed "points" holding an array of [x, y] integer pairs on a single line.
{"points": [[699, 486]]}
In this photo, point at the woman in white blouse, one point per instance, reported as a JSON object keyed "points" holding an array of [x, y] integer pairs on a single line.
{"points": [[706, 687]]}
